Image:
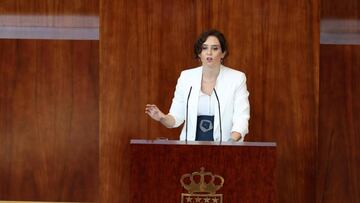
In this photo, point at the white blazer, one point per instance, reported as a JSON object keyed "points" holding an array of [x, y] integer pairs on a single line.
{"points": [[234, 103]]}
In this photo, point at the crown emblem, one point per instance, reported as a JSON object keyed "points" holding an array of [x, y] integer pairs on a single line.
{"points": [[201, 182]]}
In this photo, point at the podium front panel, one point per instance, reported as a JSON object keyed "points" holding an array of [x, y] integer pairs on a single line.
{"points": [[157, 166]]}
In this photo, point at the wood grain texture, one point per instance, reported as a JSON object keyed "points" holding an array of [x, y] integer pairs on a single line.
{"points": [[340, 22], [156, 170], [338, 176], [49, 19], [278, 52], [346, 9], [144, 46], [49, 119], [49, 7]]}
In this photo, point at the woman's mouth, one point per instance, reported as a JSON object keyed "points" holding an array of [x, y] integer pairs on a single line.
{"points": [[209, 59]]}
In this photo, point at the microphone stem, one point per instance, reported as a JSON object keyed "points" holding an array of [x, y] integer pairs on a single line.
{"points": [[217, 98], [187, 109]]}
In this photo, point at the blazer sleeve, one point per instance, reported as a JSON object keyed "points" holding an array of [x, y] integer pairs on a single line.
{"points": [[241, 108], [177, 109]]}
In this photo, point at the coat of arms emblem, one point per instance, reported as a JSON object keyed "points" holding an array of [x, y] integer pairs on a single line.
{"points": [[201, 187]]}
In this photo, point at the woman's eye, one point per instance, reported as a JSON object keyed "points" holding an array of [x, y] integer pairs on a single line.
{"points": [[215, 48], [204, 48]]}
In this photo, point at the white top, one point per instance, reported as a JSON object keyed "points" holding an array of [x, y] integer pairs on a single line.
{"points": [[205, 106]]}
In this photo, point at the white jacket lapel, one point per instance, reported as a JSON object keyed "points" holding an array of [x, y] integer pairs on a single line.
{"points": [[193, 102], [222, 94]]}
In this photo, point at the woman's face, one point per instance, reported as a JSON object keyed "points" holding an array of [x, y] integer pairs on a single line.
{"points": [[211, 53]]}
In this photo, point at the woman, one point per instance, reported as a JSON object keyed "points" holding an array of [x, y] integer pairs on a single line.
{"points": [[212, 99]]}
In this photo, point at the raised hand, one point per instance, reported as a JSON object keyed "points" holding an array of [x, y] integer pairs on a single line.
{"points": [[154, 112]]}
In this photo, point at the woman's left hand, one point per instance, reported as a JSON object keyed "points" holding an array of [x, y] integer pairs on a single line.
{"points": [[235, 136]]}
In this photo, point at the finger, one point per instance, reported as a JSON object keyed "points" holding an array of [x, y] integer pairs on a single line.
{"points": [[149, 113], [149, 107], [150, 110]]}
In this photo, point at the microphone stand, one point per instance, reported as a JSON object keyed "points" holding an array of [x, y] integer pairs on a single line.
{"points": [[217, 98], [186, 121]]}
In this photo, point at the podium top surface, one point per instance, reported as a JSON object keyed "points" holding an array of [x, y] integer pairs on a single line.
{"points": [[178, 142]]}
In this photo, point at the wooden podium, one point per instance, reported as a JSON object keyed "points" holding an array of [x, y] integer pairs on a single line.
{"points": [[157, 166]]}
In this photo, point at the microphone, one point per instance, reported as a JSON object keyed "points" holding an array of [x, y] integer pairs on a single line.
{"points": [[186, 121], [217, 98]]}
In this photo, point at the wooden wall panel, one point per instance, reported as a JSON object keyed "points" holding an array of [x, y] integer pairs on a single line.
{"points": [[144, 46], [49, 19], [49, 7], [340, 22], [339, 119], [339, 125], [278, 52], [49, 119], [345, 9], [249, 51]]}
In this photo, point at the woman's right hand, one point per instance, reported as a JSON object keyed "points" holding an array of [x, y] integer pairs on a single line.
{"points": [[154, 112]]}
